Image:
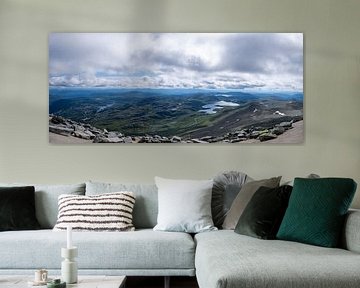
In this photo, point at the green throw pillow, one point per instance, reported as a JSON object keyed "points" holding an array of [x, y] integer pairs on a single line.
{"points": [[316, 211]]}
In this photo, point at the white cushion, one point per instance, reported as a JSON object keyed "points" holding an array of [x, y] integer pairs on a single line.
{"points": [[184, 205]]}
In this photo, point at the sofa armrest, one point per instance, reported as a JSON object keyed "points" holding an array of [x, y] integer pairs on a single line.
{"points": [[351, 234]]}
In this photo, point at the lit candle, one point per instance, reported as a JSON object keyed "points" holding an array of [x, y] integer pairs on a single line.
{"points": [[69, 237]]}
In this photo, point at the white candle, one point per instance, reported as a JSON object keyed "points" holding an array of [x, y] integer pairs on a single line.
{"points": [[69, 237]]}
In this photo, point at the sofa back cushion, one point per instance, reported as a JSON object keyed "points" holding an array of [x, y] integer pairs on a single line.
{"points": [[146, 205], [46, 200]]}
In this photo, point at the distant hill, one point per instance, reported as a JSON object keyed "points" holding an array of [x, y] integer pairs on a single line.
{"points": [[168, 112]]}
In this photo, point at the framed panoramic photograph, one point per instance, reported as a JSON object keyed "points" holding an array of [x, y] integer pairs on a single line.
{"points": [[176, 88]]}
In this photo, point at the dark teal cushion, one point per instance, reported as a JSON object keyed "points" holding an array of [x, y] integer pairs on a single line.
{"points": [[17, 209], [316, 211], [264, 213]]}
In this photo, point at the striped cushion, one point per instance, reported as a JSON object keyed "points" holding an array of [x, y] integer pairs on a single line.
{"points": [[105, 212]]}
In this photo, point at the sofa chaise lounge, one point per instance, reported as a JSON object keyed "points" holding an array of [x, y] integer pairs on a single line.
{"points": [[219, 259]]}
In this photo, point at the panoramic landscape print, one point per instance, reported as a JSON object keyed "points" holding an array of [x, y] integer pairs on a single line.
{"points": [[175, 88]]}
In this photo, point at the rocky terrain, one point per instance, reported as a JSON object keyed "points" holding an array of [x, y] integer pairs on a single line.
{"points": [[186, 113], [66, 127]]}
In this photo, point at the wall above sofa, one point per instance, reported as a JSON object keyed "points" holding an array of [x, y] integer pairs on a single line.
{"points": [[331, 87]]}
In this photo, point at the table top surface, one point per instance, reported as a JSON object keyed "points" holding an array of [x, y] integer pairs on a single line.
{"points": [[15, 281]]}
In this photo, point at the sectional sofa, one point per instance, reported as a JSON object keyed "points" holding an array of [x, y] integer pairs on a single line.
{"points": [[219, 259]]}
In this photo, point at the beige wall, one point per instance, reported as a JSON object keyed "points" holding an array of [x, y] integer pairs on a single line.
{"points": [[332, 90]]}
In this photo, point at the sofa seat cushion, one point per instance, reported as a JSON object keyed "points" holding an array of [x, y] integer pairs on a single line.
{"points": [[226, 259], [142, 249]]}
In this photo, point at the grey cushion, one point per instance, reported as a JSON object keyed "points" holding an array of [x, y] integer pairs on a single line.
{"points": [[184, 205], [46, 200], [310, 176], [351, 234], [243, 198], [226, 187], [146, 204], [144, 249], [225, 259]]}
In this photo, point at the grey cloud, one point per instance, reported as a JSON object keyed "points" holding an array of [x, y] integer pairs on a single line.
{"points": [[66, 50], [245, 86], [77, 52], [167, 60], [261, 53], [151, 57], [241, 54], [266, 53]]}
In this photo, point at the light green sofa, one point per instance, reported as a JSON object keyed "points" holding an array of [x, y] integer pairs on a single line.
{"points": [[220, 259], [225, 259], [143, 252]]}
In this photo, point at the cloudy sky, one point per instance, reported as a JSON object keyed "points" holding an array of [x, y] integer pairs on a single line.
{"points": [[247, 61]]}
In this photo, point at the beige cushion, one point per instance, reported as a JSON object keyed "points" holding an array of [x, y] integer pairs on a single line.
{"points": [[243, 198]]}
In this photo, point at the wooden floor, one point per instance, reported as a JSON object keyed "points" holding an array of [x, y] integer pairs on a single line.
{"points": [[158, 282]]}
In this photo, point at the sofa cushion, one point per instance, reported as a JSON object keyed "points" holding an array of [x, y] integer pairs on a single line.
{"points": [[350, 239], [46, 200], [142, 249], [243, 198], [17, 208], [263, 215], [317, 210], [226, 187], [311, 176], [225, 259], [184, 205], [146, 205], [105, 212]]}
